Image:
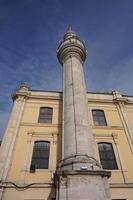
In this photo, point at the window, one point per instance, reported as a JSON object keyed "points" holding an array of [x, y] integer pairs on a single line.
{"points": [[40, 157], [99, 118], [107, 156], [45, 115]]}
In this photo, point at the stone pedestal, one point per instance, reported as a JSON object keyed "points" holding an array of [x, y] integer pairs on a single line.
{"points": [[82, 185]]}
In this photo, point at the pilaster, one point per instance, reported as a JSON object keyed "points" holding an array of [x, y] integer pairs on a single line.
{"points": [[9, 140], [120, 103]]}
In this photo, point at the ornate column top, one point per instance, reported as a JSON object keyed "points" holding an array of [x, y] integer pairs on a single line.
{"points": [[71, 45], [23, 91], [118, 98], [70, 33], [24, 87]]}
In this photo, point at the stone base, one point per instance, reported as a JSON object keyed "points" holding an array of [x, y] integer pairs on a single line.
{"points": [[82, 185]]}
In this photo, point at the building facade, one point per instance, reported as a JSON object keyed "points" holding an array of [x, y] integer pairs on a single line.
{"points": [[70, 145]]}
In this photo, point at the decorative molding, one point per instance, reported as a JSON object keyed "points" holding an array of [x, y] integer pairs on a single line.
{"points": [[108, 127], [121, 185], [40, 124], [112, 135], [35, 133]]}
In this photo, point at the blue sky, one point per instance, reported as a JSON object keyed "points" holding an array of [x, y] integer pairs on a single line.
{"points": [[31, 29]]}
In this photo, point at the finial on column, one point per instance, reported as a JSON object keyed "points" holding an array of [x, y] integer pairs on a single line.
{"points": [[24, 87], [70, 33], [69, 28]]}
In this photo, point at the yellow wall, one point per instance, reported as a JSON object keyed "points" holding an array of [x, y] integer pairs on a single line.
{"points": [[30, 131]]}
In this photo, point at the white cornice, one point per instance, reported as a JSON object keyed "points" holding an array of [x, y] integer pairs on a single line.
{"points": [[91, 97]]}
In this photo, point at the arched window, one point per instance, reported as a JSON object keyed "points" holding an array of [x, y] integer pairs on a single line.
{"points": [[45, 115], [40, 157], [107, 156], [99, 118]]}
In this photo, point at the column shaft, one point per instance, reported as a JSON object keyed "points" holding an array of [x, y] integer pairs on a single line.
{"points": [[77, 136]]}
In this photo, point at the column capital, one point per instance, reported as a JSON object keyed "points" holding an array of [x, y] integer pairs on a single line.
{"points": [[70, 46], [118, 98], [21, 93]]}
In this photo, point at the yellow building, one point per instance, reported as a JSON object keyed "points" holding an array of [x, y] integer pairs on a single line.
{"points": [[31, 149], [116, 130]]}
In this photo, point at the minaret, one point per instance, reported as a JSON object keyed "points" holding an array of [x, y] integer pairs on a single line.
{"points": [[79, 176]]}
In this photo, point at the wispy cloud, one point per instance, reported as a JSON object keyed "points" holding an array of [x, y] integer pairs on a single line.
{"points": [[121, 76]]}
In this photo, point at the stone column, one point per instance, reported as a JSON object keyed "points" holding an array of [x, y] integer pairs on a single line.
{"points": [[9, 139], [80, 175]]}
